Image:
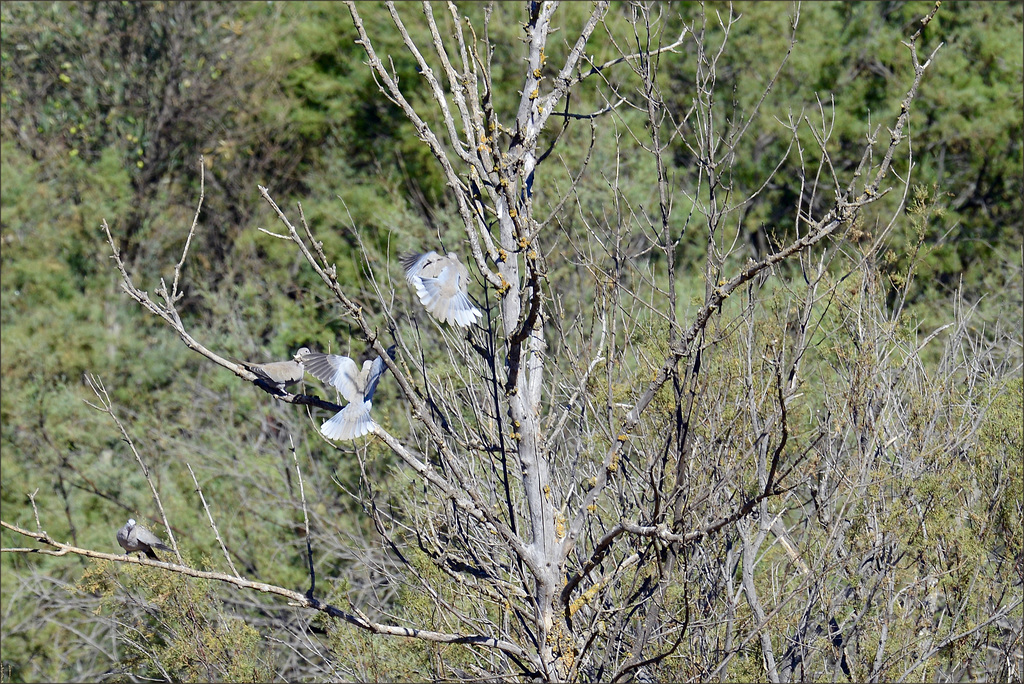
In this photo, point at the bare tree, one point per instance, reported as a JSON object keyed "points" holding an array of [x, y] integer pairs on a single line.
{"points": [[631, 468]]}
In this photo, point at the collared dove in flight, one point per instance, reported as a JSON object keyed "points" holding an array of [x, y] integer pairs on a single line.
{"points": [[357, 386], [135, 537], [279, 374], [441, 283]]}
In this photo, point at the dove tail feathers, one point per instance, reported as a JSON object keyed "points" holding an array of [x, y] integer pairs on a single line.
{"points": [[456, 308], [349, 423], [462, 310]]}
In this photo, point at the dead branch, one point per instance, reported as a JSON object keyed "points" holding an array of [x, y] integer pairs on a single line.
{"points": [[294, 598]]}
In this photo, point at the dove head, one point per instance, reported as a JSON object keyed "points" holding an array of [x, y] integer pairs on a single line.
{"points": [[299, 354], [131, 522], [453, 256]]}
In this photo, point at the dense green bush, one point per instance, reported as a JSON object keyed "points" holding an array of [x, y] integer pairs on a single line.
{"points": [[105, 110]]}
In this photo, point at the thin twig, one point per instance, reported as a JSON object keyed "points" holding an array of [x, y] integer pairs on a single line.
{"points": [[96, 385], [305, 517], [175, 295], [209, 516], [35, 510]]}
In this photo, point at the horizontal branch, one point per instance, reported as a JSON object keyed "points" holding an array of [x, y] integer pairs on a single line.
{"points": [[593, 115], [295, 598]]}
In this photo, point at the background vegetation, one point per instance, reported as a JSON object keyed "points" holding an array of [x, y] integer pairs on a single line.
{"points": [[106, 109]]}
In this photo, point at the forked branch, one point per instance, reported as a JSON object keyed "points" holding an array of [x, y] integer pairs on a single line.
{"points": [[843, 212]]}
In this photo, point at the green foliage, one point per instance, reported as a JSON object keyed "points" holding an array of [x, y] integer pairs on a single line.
{"points": [[1000, 457], [380, 660], [332, 97], [104, 110], [181, 632], [966, 122], [179, 81]]}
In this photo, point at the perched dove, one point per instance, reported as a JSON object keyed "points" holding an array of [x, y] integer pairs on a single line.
{"points": [[279, 374], [441, 283], [134, 537], [357, 386]]}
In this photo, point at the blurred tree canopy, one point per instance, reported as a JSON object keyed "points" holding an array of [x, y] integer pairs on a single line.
{"points": [[105, 111]]}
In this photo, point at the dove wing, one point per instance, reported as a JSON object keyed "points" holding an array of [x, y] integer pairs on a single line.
{"points": [[445, 296], [354, 420], [338, 371], [377, 370], [144, 537], [435, 293], [278, 372], [415, 265]]}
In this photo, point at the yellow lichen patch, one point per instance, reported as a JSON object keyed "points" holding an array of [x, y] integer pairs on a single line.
{"points": [[585, 598], [505, 286]]}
